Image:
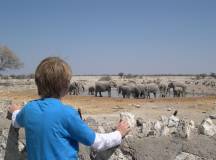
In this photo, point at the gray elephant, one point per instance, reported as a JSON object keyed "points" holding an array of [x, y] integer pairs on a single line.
{"points": [[152, 88], [103, 86], [91, 90], [173, 85], [142, 88], [125, 90], [178, 92], [75, 88], [128, 90], [163, 89]]}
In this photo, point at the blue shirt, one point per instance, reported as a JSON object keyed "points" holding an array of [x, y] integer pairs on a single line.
{"points": [[53, 130]]}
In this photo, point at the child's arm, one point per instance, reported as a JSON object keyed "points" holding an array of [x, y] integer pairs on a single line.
{"points": [[15, 110], [109, 140]]}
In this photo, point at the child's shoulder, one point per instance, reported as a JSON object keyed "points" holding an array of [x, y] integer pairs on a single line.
{"points": [[69, 109]]}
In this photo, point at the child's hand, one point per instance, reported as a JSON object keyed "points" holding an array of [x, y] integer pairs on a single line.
{"points": [[123, 127], [13, 107]]}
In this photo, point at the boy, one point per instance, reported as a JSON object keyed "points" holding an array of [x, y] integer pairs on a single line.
{"points": [[53, 129]]}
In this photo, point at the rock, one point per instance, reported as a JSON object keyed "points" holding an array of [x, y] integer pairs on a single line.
{"points": [[192, 124], [130, 118], [207, 127], [173, 121], [157, 127], [139, 122], [118, 155], [1, 114], [147, 128], [212, 116], [137, 106], [21, 146], [3, 145], [164, 120], [165, 131], [101, 129], [184, 129], [187, 156]]}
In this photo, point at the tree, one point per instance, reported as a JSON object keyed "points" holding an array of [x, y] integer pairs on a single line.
{"points": [[213, 75], [8, 60], [121, 74]]}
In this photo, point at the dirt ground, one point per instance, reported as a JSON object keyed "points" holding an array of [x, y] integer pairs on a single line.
{"points": [[195, 108]]}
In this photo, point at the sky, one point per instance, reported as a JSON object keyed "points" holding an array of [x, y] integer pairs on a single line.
{"points": [[112, 36]]}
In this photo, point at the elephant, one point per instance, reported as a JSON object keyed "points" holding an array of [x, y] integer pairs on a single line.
{"points": [[151, 88], [163, 89], [142, 90], [173, 85], [103, 86], [91, 90], [127, 90], [75, 88], [178, 92]]}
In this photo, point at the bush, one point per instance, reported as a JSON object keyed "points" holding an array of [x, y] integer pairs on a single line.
{"points": [[105, 78]]}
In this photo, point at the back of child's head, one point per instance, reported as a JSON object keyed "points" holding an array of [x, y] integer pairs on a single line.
{"points": [[52, 78]]}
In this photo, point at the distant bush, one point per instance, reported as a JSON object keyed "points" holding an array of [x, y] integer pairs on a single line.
{"points": [[121, 74], [213, 75], [130, 76], [105, 78], [201, 76]]}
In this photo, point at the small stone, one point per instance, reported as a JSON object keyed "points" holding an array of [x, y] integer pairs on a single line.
{"points": [[21, 146], [100, 129], [3, 146], [137, 106], [212, 116]]}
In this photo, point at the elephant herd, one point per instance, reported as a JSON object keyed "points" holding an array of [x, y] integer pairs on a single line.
{"points": [[134, 90], [146, 90]]}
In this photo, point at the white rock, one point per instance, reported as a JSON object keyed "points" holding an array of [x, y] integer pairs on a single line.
{"points": [[192, 124], [157, 127], [165, 131], [207, 127], [101, 129], [21, 146], [173, 121], [130, 118], [147, 128], [184, 129], [187, 156], [164, 120]]}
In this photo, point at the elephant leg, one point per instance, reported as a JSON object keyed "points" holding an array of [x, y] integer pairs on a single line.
{"points": [[155, 95], [109, 93], [95, 93], [100, 94]]}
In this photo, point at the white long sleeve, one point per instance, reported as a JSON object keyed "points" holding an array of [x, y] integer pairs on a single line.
{"points": [[107, 140], [14, 123]]}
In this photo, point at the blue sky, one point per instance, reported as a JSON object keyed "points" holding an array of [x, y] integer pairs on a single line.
{"points": [[112, 36]]}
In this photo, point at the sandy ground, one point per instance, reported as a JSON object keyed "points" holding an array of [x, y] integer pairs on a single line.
{"points": [[195, 108]]}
